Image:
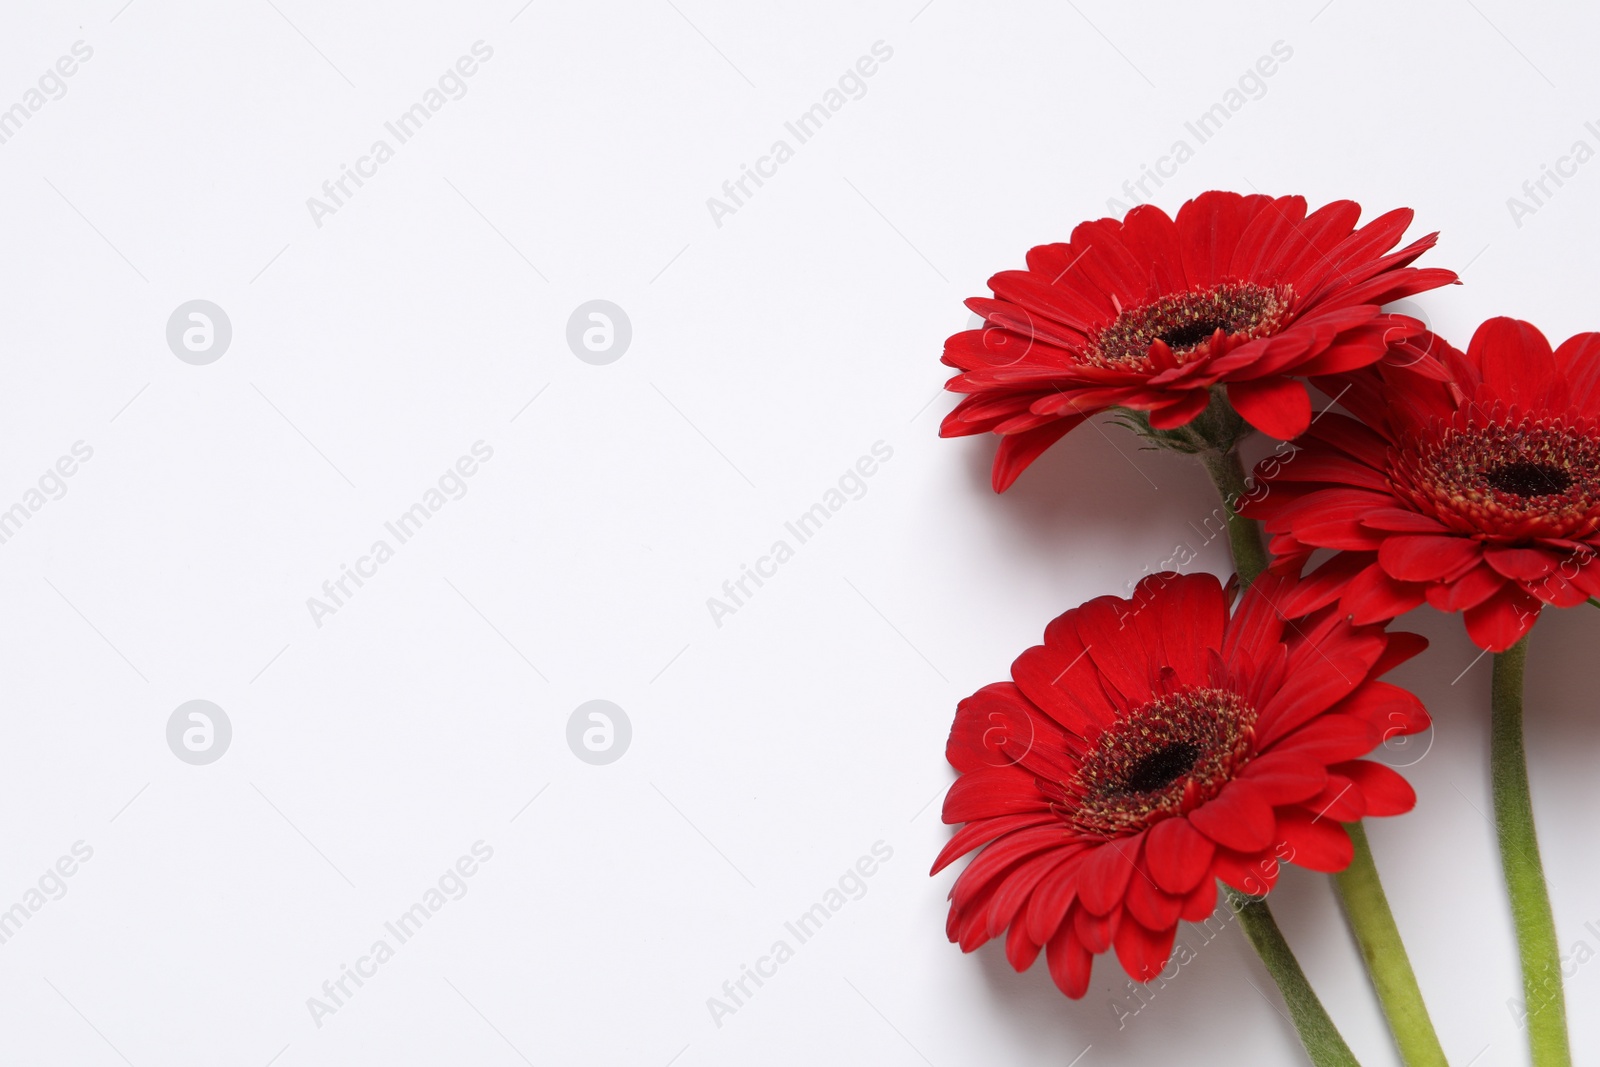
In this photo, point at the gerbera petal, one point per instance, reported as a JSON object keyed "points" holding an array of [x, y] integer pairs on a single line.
{"points": [[1585, 571], [1339, 800], [1579, 358], [1209, 227], [1332, 518], [982, 831], [1503, 619], [1315, 462], [1095, 931], [1149, 905], [1362, 246], [1258, 622], [982, 412], [1253, 873], [1061, 679], [1387, 710], [1103, 878], [1355, 439], [1390, 286], [965, 926], [1153, 237], [1315, 843], [1195, 610], [1398, 520], [1428, 558], [1354, 349], [1069, 962], [1284, 778], [1014, 890], [1318, 235], [1332, 738], [1177, 855], [1558, 590], [1291, 348], [984, 792], [1143, 953], [1528, 564], [1201, 901], [1265, 236], [1183, 409], [1017, 451], [1402, 647], [1012, 336], [1323, 585], [1107, 263], [1467, 590], [1316, 683], [1021, 950], [973, 742], [1515, 359], [1110, 629], [1276, 406], [1386, 792], [1047, 908], [1239, 818], [1039, 304], [1102, 265], [1000, 859]]}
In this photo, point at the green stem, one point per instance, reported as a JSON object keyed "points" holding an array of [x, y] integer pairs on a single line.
{"points": [[1244, 535], [1317, 1032], [1366, 907], [1519, 856]]}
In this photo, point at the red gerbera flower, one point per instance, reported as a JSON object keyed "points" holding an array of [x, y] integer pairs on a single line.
{"points": [[1150, 313], [1151, 746], [1481, 495]]}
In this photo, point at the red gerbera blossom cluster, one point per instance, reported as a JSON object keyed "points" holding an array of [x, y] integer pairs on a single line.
{"points": [[1152, 746], [1151, 313], [1479, 495]]}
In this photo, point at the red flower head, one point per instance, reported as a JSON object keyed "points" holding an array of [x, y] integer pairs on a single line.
{"points": [[1481, 495], [1151, 746], [1150, 313]]}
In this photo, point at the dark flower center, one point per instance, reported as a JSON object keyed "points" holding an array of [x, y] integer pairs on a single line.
{"points": [[1160, 769], [1529, 479], [1163, 758], [1187, 322], [1188, 336], [1539, 477]]}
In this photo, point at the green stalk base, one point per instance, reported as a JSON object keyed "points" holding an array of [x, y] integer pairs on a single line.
{"points": [[1366, 907], [1250, 557], [1546, 1018], [1317, 1033]]}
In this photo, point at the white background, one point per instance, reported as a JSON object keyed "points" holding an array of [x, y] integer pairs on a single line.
{"points": [[768, 354]]}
